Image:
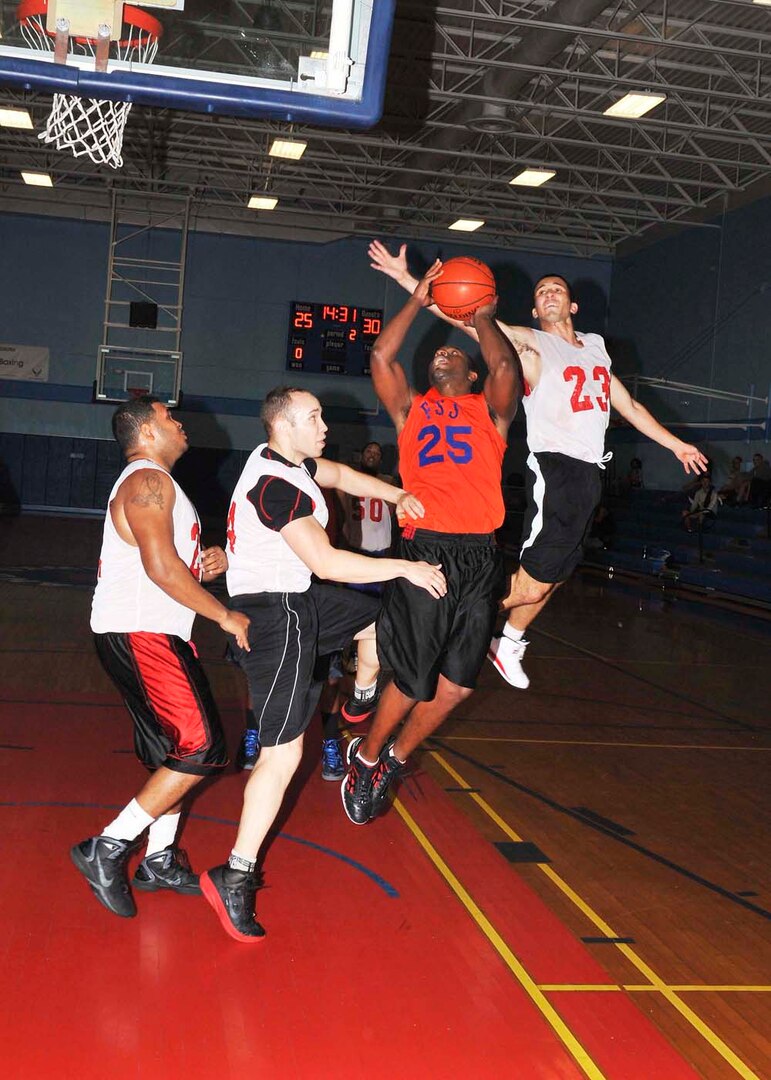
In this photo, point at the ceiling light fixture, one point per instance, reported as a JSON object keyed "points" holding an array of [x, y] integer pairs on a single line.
{"points": [[288, 149], [37, 179], [633, 106], [466, 225], [262, 202], [15, 118], [533, 177]]}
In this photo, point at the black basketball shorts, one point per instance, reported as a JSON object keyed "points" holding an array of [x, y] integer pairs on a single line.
{"points": [[420, 637], [563, 494], [288, 631], [176, 723]]}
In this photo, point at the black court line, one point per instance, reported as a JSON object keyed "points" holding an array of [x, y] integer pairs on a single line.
{"points": [[654, 856], [608, 940], [9, 746], [590, 815], [649, 682]]}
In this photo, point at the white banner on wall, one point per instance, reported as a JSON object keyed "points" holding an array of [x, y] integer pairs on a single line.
{"points": [[28, 362]]}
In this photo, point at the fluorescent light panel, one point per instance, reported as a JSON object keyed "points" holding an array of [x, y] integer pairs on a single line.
{"points": [[15, 118], [466, 225], [533, 177], [322, 54], [287, 149], [37, 179], [633, 106], [262, 202]]}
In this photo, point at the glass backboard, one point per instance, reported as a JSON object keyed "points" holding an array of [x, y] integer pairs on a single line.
{"points": [[311, 61]]}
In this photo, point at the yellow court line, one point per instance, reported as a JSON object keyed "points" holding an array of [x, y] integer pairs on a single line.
{"points": [[632, 988], [593, 742], [685, 1011], [522, 976]]}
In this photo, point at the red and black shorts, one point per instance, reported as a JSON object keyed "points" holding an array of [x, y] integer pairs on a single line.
{"points": [[420, 637], [562, 495], [176, 723]]}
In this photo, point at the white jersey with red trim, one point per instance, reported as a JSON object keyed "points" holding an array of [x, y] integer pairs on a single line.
{"points": [[125, 600], [568, 411], [367, 521], [259, 559]]}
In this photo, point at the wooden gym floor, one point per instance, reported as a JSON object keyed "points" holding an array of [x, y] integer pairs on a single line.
{"points": [[573, 882]]}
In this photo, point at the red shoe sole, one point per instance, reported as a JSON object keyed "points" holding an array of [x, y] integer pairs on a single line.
{"points": [[214, 900], [355, 719]]}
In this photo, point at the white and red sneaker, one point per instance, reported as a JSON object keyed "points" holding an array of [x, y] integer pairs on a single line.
{"points": [[505, 654]]}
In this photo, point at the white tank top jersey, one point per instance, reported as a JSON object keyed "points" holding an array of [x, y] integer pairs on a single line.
{"points": [[568, 411], [126, 601], [367, 524], [259, 559]]}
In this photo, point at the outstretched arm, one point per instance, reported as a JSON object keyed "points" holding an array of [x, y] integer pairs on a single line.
{"points": [[388, 376], [503, 385], [331, 474], [310, 543], [638, 416]]}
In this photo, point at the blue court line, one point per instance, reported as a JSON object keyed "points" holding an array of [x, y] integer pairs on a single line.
{"points": [[381, 882]]}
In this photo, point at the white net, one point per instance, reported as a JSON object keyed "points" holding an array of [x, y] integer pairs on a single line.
{"points": [[87, 125]]}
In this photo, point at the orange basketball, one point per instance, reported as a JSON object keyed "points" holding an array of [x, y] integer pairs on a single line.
{"points": [[464, 285]]}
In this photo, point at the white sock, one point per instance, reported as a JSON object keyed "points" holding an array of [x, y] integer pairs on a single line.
{"points": [[363, 760], [512, 633], [364, 693], [130, 822], [240, 862], [162, 833]]}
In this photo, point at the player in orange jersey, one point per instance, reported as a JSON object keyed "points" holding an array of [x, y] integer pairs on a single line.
{"points": [[451, 446]]}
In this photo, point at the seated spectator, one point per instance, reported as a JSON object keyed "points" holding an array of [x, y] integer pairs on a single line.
{"points": [[756, 487], [703, 506], [691, 486], [729, 492]]}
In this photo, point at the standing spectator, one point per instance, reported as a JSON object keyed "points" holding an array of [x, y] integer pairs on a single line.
{"points": [[756, 488]]}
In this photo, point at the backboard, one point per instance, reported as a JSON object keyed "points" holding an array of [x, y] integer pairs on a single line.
{"points": [[307, 61]]}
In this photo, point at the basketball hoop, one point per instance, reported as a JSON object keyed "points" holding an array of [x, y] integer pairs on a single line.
{"points": [[87, 125]]}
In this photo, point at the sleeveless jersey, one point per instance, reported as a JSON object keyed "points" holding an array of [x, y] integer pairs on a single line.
{"points": [[367, 523], [450, 456], [568, 411], [260, 560], [126, 601]]}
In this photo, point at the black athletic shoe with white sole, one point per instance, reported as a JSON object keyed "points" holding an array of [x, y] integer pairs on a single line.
{"points": [[167, 869], [102, 862], [231, 893]]}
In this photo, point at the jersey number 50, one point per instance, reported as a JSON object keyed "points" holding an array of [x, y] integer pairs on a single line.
{"points": [[454, 447]]}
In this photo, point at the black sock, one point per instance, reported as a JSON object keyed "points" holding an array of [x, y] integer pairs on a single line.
{"points": [[251, 721], [329, 726]]}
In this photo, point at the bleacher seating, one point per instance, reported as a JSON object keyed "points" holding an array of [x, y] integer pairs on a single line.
{"points": [[732, 557]]}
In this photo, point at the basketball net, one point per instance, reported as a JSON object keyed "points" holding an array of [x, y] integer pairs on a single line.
{"points": [[88, 126]]}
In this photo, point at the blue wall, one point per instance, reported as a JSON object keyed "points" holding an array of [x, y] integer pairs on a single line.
{"points": [[237, 294], [696, 308]]}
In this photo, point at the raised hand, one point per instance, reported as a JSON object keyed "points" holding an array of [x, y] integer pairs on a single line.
{"points": [[393, 266], [423, 287], [427, 577], [484, 311]]}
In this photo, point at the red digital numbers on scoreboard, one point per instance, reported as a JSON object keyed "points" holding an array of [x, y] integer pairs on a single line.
{"points": [[331, 338], [303, 320], [371, 325]]}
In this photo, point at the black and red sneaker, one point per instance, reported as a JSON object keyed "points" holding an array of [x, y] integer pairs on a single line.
{"points": [[231, 893], [356, 788], [389, 769], [356, 710]]}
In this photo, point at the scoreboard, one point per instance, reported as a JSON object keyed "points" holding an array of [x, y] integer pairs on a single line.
{"points": [[331, 339]]}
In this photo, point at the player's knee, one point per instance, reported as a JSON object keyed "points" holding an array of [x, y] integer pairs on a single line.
{"points": [[452, 694]]}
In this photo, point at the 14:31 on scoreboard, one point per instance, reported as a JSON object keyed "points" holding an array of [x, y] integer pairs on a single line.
{"points": [[331, 339]]}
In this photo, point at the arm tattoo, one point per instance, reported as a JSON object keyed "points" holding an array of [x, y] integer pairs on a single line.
{"points": [[151, 492]]}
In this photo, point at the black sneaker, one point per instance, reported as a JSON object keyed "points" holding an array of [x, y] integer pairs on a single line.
{"points": [[102, 862], [389, 769], [356, 788], [248, 750], [332, 764], [355, 711], [231, 893], [167, 869]]}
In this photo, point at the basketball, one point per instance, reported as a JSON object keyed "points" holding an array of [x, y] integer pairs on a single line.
{"points": [[464, 285]]}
